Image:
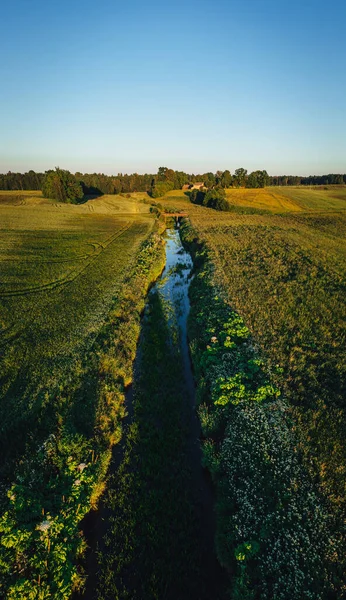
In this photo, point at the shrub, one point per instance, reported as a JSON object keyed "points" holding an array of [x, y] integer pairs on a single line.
{"points": [[197, 196], [216, 199]]}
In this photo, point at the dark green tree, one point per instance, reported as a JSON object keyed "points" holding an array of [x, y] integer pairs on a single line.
{"points": [[62, 186], [226, 179], [252, 180], [197, 197], [257, 179], [161, 173], [216, 198], [160, 188], [240, 176], [209, 179]]}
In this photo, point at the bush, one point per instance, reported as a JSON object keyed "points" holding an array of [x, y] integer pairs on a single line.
{"points": [[197, 197], [216, 199]]}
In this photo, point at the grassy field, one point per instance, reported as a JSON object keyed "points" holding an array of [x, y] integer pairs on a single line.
{"points": [[272, 199], [284, 271], [72, 287], [276, 536], [73, 283], [316, 197], [289, 199], [61, 267]]}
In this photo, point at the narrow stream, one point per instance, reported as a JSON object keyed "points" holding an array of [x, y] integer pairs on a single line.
{"points": [[168, 510], [174, 288]]}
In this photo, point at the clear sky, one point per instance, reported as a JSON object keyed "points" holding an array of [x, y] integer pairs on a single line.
{"points": [[128, 86]]}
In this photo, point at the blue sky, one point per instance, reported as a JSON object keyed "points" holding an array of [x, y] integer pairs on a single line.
{"points": [[114, 86]]}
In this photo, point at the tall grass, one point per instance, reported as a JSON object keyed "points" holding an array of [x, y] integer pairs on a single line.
{"points": [[276, 534], [73, 288]]}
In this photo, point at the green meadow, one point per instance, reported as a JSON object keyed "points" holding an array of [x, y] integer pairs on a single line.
{"points": [[61, 268], [267, 340], [284, 272], [73, 285]]}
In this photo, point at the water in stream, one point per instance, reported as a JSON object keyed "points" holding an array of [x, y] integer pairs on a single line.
{"points": [[158, 522], [174, 289]]}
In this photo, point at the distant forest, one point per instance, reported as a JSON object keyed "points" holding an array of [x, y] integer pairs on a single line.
{"points": [[166, 179]]}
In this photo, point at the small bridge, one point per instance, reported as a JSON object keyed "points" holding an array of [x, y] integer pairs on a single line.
{"points": [[177, 216]]}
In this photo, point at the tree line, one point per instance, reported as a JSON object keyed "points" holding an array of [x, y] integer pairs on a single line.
{"points": [[156, 184]]}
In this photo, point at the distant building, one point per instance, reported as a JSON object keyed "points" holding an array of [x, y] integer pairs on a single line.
{"points": [[194, 186], [197, 186]]}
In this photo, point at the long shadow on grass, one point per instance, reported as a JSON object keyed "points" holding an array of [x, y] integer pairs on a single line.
{"points": [[155, 546]]}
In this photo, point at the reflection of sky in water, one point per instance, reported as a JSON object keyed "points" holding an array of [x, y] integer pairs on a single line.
{"points": [[173, 287], [175, 283]]}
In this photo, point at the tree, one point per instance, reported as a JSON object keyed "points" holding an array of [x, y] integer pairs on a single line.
{"points": [[61, 185], [239, 177], [180, 178], [257, 179], [226, 179], [160, 188], [264, 178], [209, 179], [161, 173], [197, 197], [252, 180]]}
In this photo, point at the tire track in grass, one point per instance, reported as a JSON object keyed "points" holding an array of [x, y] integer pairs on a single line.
{"points": [[69, 279]]}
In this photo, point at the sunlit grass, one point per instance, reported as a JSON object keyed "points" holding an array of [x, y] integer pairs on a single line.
{"points": [[272, 199], [72, 288], [316, 197], [285, 274], [264, 199], [61, 267]]}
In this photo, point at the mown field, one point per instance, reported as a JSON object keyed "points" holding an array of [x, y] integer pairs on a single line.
{"points": [[72, 286], [289, 199]]}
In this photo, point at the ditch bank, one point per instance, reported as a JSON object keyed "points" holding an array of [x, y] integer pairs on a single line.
{"points": [[153, 536]]}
